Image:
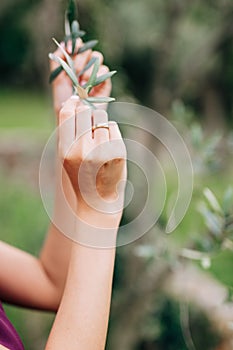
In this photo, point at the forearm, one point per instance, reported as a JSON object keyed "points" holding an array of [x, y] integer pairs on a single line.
{"points": [[55, 254], [39, 282], [23, 280], [82, 318]]}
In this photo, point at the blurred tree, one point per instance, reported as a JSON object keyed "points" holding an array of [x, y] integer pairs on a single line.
{"points": [[26, 30], [163, 50]]}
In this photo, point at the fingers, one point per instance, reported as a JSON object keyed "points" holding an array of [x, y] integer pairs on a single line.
{"points": [[84, 132], [100, 135]]}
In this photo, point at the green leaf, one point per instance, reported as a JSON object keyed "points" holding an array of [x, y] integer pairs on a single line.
{"points": [[67, 56], [214, 223], [71, 11], [89, 104], [89, 64], [196, 134], [73, 44], [53, 57], [92, 78], [211, 145], [228, 201], [104, 77], [88, 45], [66, 39], [66, 68], [74, 35], [75, 27], [212, 200], [100, 99], [55, 74]]}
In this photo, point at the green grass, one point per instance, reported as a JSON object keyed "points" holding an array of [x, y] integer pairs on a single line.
{"points": [[25, 109]]}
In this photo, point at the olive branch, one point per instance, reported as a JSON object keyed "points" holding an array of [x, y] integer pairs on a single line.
{"points": [[72, 33]]}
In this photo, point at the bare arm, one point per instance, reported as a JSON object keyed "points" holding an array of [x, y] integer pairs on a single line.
{"points": [[39, 282], [82, 318], [3, 347]]}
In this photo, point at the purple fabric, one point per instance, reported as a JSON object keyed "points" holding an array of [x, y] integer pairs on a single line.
{"points": [[8, 335]]}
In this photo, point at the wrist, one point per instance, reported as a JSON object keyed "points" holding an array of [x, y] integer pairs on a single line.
{"points": [[100, 219], [96, 229]]}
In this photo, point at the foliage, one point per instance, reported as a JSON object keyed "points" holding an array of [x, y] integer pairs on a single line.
{"points": [[181, 50], [72, 33], [163, 329]]}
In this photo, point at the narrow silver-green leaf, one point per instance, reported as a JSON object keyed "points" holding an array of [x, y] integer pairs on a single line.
{"points": [[228, 200], [55, 74], [100, 99], [88, 45], [74, 37], [212, 200], [73, 44], [71, 11], [89, 64], [53, 57], [79, 34], [66, 39], [67, 56], [67, 69], [75, 27], [89, 104], [92, 78], [104, 77]]}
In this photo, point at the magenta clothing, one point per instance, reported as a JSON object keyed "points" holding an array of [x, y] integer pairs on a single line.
{"points": [[8, 335]]}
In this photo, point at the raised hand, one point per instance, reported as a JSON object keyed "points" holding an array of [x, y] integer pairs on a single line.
{"points": [[94, 157]]}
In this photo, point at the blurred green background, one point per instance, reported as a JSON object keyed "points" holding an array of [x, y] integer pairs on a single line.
{"points": [[175, 56]]}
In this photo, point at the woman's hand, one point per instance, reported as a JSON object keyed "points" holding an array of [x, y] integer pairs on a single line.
{"points": [[62, 85], [94, 158]]}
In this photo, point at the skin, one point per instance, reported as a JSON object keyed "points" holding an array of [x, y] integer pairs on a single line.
{"points": [[76, 280], [82, 318]]}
